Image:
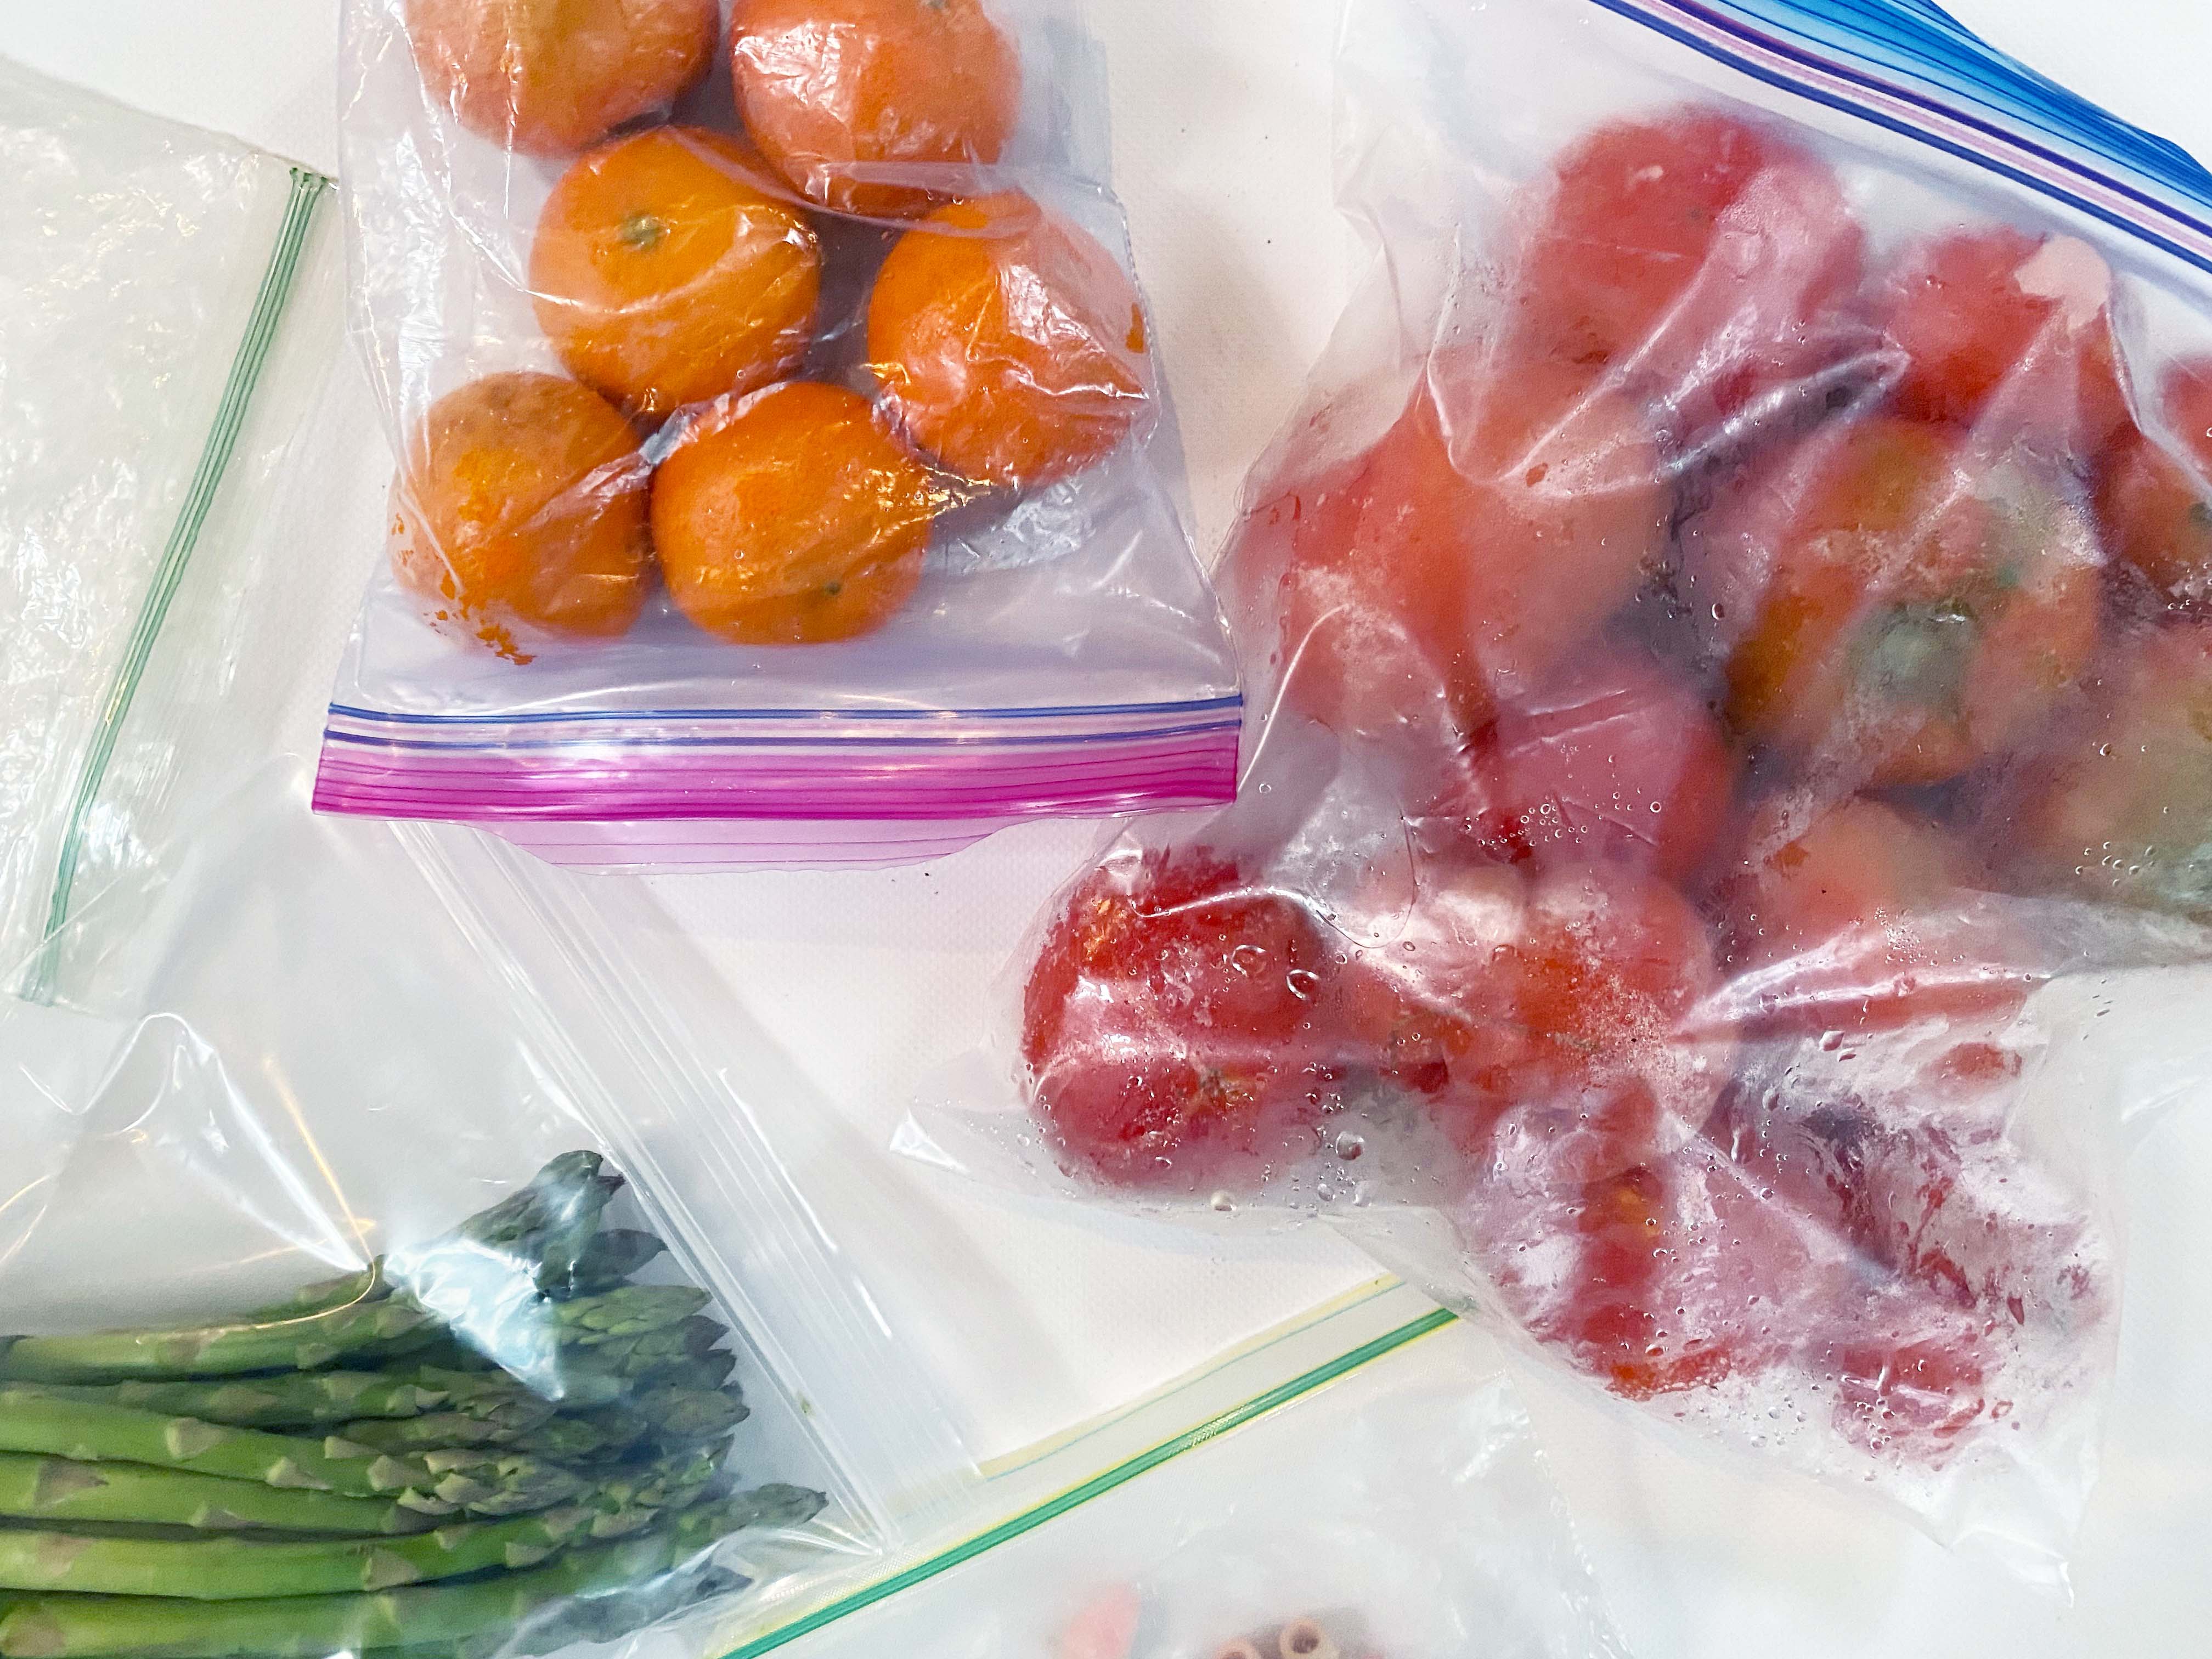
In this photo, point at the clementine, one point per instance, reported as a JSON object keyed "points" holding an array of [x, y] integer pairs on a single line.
{"points": [[549, 77], [1009, 344], [521, 509], [792, 518], [859, 102], [664, 276]]}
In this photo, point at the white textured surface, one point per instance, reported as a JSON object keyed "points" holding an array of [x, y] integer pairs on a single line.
{"points": [[1223, 151]]}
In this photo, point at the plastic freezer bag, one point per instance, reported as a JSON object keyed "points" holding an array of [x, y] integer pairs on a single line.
{"points": [[1734, 717], [790, 481], [367, 1240], [1403, 1510]]}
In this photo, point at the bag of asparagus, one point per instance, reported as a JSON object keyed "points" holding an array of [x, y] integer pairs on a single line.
{"points": [[384, 1267], [504, 1434]]}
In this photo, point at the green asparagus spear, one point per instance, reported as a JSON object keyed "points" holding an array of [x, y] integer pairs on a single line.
{"points": [[239, 1569], [648, 1351], [485, 1268], [31, 1420], [609, 1259], [299, 1627], [628, 1310], [304, 1400], [360, 1330], [489, 1485], [442, 1431], [58, 1492]]}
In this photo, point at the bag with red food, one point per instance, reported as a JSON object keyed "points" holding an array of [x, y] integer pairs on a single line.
{"points": [[784, 473], [1734, 628]]}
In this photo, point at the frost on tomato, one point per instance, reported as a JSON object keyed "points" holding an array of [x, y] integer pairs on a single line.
{"points": [[2119, 805], [1668, 1276], [1706, 259], [1168, 1023], [2016, 330], [1488, 533], [1893, 604], [2156, 507], [1858, 915], [1902, 1150], [1614, 760], [1555, 1025]]}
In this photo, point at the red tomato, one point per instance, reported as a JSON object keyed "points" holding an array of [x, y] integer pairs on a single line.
{"points": [[1707, 257], [2121, 806], [1899, 608], [1862, 916], [1908, 1160], [2014, 328], [1165, 1022], [1490, 532], [1665, 1277], [1913, 1392], [1555, 1022], [1624, 1310], [2156, 510], [1614, 760]]}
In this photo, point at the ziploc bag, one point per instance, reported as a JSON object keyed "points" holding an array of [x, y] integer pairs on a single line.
{"points": [[371, 1274], [1403, 1510], [1733, 725], [885, 547]]}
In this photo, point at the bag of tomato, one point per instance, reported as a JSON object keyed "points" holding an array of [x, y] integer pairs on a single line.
{"points": [[1732, 665]]}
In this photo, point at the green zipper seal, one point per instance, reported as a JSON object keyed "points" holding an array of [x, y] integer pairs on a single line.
{"points": [[278, 283], [1213, 1429]]}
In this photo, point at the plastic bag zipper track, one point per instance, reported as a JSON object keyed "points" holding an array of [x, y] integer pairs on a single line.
{"points": [[279, 281]]}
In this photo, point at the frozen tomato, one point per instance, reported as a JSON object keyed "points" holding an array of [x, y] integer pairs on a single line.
{"points": [[1896, 606], [1668, 1276], [1858, 915], [1556, 1023], [1496, 525], [2014, 328], [1905, 1155], [1911, 1391], [2120, 805], [1708, 258], [2156, 508], [1614, 760], [1168, 1022]]}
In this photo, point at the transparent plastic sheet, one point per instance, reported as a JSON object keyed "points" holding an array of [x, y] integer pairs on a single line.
{"points": [[788, 676], [268, 1064], [1731, 730], [1404, 1509]]}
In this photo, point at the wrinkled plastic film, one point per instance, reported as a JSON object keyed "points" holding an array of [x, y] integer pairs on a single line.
{"points": [[985, 611], [1416, 1517], [1709, 780]]}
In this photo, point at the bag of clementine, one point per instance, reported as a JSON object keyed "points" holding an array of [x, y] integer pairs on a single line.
{"points": [[779, 468], [1732, 689]]}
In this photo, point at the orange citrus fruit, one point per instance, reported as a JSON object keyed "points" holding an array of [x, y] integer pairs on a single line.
{"points": [[522, 510], [792, 518], [549, 77], [1009, 344], [844, 95], [664, 276]]}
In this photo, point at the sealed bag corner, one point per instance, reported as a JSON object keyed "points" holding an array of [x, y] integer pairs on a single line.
{"points": [[1731, 616], [785, 472]]}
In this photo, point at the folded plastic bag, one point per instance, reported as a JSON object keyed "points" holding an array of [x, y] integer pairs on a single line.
{"points": [[1404, 1509], [372, 1273], [1733, 711], [793, 483]]}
